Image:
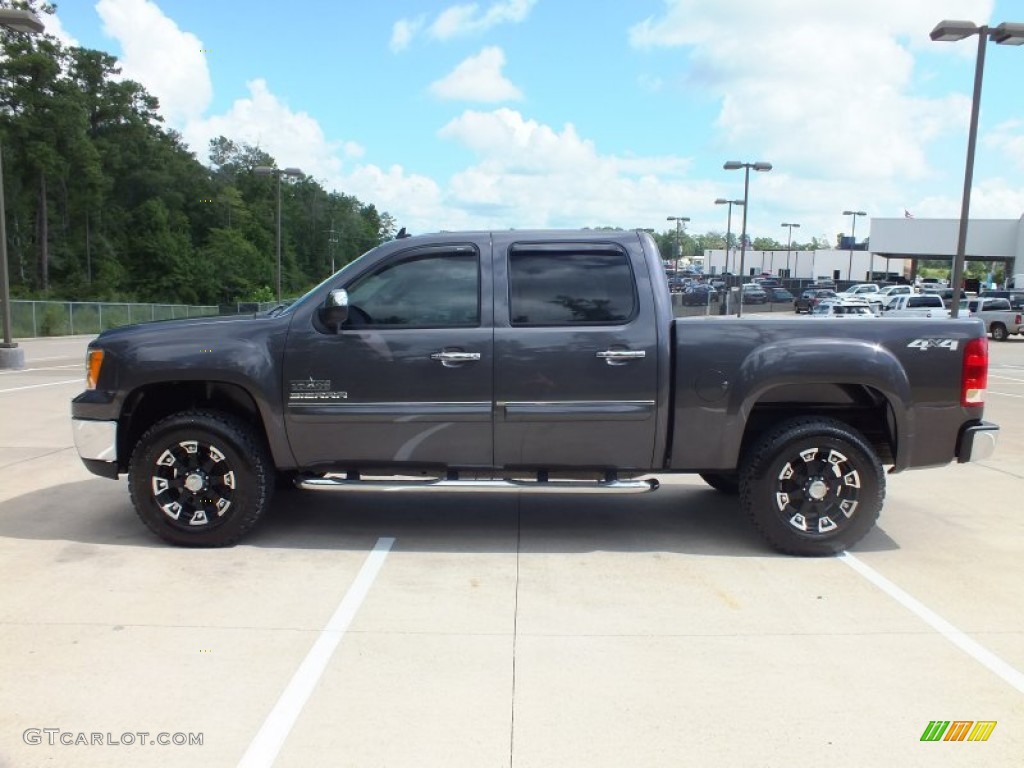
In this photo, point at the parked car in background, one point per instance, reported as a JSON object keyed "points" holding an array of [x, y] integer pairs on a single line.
{"points": [[1001, 320], [917, 305], [946, 294], [719, 284], [841, 308], [806, 301], [754, 294], [1016, 298], [778, 295], [888, 292], [699, 294], [860, 289]]}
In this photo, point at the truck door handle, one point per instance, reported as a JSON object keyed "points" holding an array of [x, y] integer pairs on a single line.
{"points": [[621, 356], [451, 359]]}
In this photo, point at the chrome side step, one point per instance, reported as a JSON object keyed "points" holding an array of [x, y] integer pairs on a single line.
{"points": [[483, 486]]}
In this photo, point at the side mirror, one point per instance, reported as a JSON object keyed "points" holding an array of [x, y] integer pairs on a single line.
{"points": [[334, 311]]}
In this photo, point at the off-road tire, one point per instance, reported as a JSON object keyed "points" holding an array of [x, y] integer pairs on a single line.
{"points": [[812, 486], [200, 478], [725, 482]]}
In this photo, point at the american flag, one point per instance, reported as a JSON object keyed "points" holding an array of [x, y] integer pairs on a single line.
{"points": [[907, 214]]}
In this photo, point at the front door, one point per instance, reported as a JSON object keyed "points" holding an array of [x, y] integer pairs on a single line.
{"points": [[408, 379], [576, 355]]}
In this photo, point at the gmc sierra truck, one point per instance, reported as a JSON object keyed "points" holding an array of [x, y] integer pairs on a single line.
{"points": [[533, 361]]}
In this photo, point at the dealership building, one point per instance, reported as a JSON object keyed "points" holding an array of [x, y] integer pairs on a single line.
{"points": [[896, 246]]}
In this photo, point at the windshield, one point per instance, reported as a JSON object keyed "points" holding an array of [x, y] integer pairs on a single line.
{"points": [[282, 309]]}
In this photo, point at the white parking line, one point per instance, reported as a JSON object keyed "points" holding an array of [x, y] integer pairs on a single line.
{"points": [[1002, 394], [48, 368], [37, 386], [972, 648], [265, 746], [1004, 378]]}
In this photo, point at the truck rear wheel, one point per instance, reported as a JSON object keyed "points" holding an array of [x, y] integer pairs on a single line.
{"points": [[812, 486], [200, 479], [726, 482], [999, 332]]}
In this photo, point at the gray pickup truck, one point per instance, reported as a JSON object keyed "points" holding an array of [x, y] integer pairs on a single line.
{"points": [[1001, 320], [533, 361]]}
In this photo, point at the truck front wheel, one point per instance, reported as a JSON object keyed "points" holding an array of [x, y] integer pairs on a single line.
{"points": [[200, 478], [812, 486]]}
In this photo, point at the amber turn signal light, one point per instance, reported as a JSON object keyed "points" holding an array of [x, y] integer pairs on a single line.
{"points": [[93, 363]]}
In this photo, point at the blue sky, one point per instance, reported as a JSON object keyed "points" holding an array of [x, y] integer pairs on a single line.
{"points": [[563, 113]]}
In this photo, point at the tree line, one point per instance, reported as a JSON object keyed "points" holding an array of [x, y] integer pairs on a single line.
{"points": [[104, 202]]}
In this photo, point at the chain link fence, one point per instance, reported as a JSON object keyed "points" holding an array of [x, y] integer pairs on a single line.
{"points": [[32, 319]]}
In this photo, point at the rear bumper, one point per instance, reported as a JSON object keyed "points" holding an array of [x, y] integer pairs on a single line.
{"points": [[976, 442]]}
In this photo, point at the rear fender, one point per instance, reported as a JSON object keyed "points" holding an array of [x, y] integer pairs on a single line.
{"points": [[828, 362]]}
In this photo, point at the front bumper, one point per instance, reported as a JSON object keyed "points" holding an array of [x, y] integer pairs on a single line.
{"points": [[977, 442], [96, 443]]}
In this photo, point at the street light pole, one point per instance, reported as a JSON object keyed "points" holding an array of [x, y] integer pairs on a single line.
{"points": [[853, 239], [265, 170], [789, 244], [733, 165], [728, 225], [1007, 33], [11, 355], [679, 233]]}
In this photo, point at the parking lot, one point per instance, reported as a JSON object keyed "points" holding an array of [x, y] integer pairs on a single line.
{"points": [[477, 630]]}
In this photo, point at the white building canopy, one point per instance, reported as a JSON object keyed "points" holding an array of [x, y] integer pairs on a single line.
{"points": [[987, 239]]}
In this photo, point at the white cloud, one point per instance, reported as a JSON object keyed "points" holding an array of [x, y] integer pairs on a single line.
{"points": [[403, 31], [529, 174], [293, 138], [416, 201], [830, 94], [990, 199], [1008, 138], [54, 27], [155, 52], [461, 21], [478, 78]]}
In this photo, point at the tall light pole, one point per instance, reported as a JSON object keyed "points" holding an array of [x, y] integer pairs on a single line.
{"points": [[11, 355], [789, 244], [853, 239], [735, 165], [728, 225], [1007, 33], [679, 234], [266, 170], [332, 240]]}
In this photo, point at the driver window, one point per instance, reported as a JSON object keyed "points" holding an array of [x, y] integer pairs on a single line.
{"points": [[440, 289]]}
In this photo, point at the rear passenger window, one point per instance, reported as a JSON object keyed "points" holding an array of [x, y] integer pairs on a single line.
{"points": [[570, 286]]}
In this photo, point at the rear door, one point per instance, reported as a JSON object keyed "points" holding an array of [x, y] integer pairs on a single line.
{"points": [[576, 354]]}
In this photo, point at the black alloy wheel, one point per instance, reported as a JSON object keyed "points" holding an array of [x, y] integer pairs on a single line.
{"points": [[200, 478], [812, 486]]}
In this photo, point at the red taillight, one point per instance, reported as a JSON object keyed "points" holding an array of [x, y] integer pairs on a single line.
{"points": [[974, 380]]}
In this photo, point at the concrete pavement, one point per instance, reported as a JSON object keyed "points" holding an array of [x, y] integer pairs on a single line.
{"points": [[502, 631]]}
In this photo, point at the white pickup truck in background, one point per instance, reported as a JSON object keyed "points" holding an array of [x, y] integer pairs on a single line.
{"points": [[885, 296], [1001, 320], [916, 305]]}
